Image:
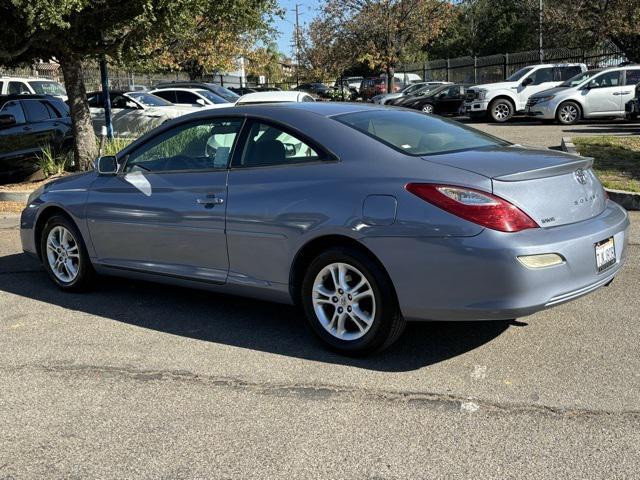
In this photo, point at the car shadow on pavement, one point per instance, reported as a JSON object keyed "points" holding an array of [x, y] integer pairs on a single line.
{"points": [[237, 321]]}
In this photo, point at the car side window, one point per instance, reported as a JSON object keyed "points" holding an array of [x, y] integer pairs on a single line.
{"points": [[453, 92], [18, 88], [542, 75], [14, 108], [95, 101], [53, 112], [202, 145], [35, 110], [120, 101], [186, 97], [270, 145], [608, 79], [565, 73], [633, 77], [168, 95]]}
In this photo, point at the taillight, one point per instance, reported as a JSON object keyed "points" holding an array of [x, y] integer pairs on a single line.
{"points": [[478, 207]]}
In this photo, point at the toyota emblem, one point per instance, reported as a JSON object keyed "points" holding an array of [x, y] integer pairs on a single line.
{"points": [[581, 177]]}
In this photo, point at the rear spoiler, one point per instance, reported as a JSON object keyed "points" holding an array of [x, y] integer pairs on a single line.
{"points": [[552, 171]]}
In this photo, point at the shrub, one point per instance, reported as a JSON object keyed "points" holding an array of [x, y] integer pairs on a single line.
{"points": [[52, 163]]}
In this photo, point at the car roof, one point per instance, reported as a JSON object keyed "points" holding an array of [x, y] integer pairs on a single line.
{"points": [[186, 89], [26, 79], [28, 96], [278, 96]]}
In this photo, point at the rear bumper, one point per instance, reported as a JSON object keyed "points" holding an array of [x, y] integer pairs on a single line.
{"points": [[480, 278]]}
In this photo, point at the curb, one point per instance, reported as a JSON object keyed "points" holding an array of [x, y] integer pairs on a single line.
{"points": [[14, 196], [627, 200]]}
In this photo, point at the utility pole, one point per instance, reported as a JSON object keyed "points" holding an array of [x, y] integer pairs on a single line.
{"points": [[104, 80], [540, 51], [297, 47]]}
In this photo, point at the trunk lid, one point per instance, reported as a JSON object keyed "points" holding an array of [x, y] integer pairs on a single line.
{"points": [[553, 188]]}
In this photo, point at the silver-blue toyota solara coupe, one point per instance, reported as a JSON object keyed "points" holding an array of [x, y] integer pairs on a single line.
{"points": [[366, 216]]}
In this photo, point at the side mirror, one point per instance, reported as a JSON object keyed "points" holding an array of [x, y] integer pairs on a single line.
{"points": [[527, 81], [201, 102], [7, 120], [107, 165], [590, 85]]}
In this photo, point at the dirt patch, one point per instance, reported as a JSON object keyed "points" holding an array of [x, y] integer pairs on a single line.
{"points": [[28, 186], [11, 207]]}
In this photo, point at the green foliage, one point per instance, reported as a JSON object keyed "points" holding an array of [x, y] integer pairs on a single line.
{"points": [[52, 163], [113, 146]]}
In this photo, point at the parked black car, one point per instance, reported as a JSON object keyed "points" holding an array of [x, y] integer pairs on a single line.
{"points": [[443, 100], [27, 124], [223, 92], [316, 88]]}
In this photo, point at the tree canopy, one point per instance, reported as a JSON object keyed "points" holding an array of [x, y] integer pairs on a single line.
{"points": [[193, 35]]}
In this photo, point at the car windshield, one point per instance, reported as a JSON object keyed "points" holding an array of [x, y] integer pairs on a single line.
{"points": [[225, 93], [428, 89], [412, 88], [519, 74], [578, 79], [212, 97], [416, 133], [149, 100], [48, 88]]}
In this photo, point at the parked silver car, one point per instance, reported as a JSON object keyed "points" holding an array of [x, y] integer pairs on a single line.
{"points": [[366, 216], [592, 94]]}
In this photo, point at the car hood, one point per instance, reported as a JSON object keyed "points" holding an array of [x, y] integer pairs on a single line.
{"points": [[551, 91], [494, 86], [503, 161], [170, 111]]}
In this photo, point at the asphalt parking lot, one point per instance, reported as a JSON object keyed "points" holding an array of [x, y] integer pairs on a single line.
{"points": [[525, 131], [148, 381]]}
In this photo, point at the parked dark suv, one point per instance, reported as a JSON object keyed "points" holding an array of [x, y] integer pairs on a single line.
{"points": [[27, 124]]}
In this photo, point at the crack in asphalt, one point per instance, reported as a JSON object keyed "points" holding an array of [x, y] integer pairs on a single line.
{"points": [[331, 392]]}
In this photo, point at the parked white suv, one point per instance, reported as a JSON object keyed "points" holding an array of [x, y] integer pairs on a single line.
{"points": [[592, 94], [503, 99], [31, 85]]}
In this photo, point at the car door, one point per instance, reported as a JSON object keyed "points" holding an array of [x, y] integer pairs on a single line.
{"points": [[269, 205], [537, 81], [17, 147], [164, 212], [602, 95], [450, 100], [43, 128]]}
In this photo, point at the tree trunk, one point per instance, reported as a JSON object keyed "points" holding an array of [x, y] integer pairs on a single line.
{"points": [[390, 79], [85, 149]]}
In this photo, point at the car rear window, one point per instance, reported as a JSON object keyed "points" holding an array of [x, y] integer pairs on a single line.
{"points": [[416, 133]]}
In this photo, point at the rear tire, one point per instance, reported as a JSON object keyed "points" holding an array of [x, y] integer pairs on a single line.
{"points": [[501, 110], [64, 255], [350, 302], [568, 113]]}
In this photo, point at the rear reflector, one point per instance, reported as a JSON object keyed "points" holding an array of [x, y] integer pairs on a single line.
{"points": [[541, 261], [474, 205]]}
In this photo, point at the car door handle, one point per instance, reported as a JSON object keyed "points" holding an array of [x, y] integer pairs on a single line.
{"points": [[210, 201], [26, 129]]}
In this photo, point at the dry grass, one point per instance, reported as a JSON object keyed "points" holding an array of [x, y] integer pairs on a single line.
{"points": [[28, 186], [11, 207], [617, 160]]}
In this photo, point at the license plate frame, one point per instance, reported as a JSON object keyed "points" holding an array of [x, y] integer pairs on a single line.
{"points": [[605, 253]]}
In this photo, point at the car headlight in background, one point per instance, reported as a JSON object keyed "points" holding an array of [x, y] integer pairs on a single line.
{"points": [[546, 98]]}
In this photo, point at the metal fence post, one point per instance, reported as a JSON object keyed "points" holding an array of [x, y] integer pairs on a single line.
{"points": [[448, 67], [424, 71], [475, 69], [505, 66]]}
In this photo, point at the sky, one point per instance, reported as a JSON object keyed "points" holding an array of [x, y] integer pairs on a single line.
{"points": [[307, 10]]}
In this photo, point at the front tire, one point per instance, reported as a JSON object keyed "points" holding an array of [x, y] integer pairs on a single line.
{"points": [[64, 255], [501, 110], [427, 108], [350, 303], [568, 113]]}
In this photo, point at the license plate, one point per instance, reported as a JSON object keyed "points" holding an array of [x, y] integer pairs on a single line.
{"points": [[605, 254]]}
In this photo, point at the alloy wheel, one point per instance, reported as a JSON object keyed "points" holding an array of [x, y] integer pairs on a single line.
{"points": [[501, 111], [344, 301], [427, 108], [63, 254], [568, 113]]}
